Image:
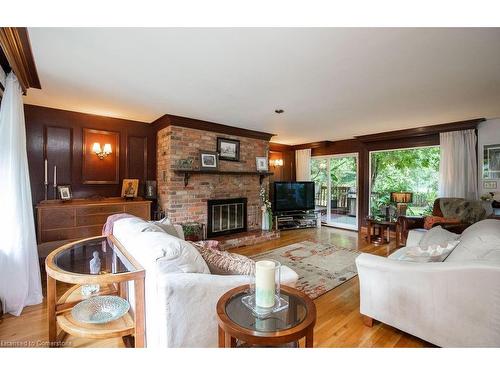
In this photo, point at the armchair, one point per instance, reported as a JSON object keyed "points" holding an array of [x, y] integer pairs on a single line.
{"points": [[407, 223]]}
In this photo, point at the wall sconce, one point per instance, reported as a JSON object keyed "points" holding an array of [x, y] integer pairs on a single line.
{"points": [[276, 162], [101, 154]]}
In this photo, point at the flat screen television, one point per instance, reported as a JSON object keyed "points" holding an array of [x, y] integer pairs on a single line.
{"points": [[293, 196]]}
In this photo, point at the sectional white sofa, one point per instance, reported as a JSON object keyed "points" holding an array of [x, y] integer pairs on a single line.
{"points": [[455, 303], [181, 294]]}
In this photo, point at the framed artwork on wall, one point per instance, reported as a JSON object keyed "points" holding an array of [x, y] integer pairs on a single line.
{"points": [[491, 161], [228, 149]]}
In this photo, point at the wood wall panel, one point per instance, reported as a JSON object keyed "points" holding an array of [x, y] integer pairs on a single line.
{"points": [[94, 169], [137, 159], [39, 119], [58, 150]]}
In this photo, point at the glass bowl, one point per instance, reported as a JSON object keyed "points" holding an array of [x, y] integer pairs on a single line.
{"points": [[100, 309]]}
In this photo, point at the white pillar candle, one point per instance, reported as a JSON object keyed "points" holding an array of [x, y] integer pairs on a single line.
{"points": [[55, 175], [45, 171], [264, 283]]}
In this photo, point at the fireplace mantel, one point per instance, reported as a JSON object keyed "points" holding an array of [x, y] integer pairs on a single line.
{"points": [[188, 173]]}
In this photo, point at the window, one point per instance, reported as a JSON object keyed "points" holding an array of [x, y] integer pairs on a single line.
{"points": [[414, 169]]}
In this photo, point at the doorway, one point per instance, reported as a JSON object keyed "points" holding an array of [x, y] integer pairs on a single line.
{"points": [[336, 189]]}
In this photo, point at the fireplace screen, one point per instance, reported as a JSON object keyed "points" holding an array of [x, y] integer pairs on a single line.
{"points": [[226, 216]]}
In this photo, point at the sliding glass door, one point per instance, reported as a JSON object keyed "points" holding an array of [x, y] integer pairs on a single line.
{"points": [[336, 183]]}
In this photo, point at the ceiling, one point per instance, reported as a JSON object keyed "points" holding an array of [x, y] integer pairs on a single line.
{"points": [[332, 83]]}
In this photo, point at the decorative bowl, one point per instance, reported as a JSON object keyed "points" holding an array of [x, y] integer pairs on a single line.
{"points": [[100, 309]]}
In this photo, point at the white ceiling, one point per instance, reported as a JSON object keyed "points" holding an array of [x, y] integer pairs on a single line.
{"points": [[332, 83]]}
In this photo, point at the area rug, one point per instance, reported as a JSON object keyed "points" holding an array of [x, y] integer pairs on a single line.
{"points": [[321, 267]]}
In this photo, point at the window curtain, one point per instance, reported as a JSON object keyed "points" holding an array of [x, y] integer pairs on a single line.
{"points": [[20, 283], [458, 165], [303, 165]]}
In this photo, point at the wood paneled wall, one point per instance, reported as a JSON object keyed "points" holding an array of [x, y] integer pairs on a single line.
{"points": [[58, 135]]}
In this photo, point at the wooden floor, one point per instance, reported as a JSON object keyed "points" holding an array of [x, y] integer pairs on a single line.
{"points": [[338, 325]]}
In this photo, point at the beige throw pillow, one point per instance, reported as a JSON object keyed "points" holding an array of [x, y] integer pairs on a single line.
{"points": [[223, 262]]}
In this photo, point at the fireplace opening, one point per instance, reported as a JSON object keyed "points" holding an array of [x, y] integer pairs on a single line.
{"points": [[226, 216]]}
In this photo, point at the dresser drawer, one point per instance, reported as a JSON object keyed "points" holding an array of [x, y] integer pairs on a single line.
{"points": [[57, 218], [71, 233], [100, 209], [91, 219], [139, 210]]}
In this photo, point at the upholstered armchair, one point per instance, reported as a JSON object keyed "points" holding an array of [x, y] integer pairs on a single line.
{"points": [[407, 223]]}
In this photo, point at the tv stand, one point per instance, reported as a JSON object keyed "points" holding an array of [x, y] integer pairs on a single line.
{"points": [[285, 220]]}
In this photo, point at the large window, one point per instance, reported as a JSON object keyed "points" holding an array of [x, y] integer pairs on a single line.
{"points": [[415, 170]]}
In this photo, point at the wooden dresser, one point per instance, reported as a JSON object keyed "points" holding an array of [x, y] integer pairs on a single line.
{"points": [[80, 218]]}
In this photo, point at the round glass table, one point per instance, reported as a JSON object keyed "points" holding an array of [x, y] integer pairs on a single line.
{"points": [[237, 322], [96, 266]]}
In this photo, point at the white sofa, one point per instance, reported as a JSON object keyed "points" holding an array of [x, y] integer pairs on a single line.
{"points": [[455, 303], [181, 294]]}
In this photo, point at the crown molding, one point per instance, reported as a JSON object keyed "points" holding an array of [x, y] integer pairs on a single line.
{"points": [[15, 44], [186, 122]]}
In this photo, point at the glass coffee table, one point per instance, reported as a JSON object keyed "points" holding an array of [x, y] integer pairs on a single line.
{"points": [[236, 321], [72, 264]]}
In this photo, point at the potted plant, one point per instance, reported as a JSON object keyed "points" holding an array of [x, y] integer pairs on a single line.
{"points": [[192, 231]]}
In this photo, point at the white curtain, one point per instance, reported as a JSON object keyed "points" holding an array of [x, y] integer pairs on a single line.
{"points": [[20, 283], [458, 165], [303, 165]]}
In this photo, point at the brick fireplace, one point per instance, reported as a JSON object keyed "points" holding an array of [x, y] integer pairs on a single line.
{"points": [[190, 203]]}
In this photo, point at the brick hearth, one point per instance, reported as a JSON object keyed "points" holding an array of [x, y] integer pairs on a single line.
{"points": [[184, 204], [252, 237]]}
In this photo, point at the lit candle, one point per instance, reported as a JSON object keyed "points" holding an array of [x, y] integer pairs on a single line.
{"points": [[55, 175], [264, 283], [45, 171]]}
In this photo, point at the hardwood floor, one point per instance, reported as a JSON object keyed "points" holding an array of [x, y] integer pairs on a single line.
{"points": [[339, 323]]}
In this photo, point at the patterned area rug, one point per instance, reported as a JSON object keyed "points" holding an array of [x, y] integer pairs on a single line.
{"points": [[321, 267]]}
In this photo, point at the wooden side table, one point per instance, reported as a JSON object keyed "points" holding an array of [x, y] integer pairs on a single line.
{"points": [[379, 230], [236, 321], [70, 264]]}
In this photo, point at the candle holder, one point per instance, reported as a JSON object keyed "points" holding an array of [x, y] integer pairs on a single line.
{"points": [[264, 297]]}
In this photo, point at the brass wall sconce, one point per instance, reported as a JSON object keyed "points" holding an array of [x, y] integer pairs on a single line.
{"points": [[276, 162], [101, 154]]}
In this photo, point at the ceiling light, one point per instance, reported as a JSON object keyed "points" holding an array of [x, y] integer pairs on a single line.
{"points": [[279, 111]]}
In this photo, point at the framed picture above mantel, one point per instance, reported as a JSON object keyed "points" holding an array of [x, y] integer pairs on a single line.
{"points": [[228, 149]]}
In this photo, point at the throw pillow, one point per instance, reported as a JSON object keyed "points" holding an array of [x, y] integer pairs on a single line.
{"points": [[173, 229], [429, 221], [223, 262], [436, 236], [433, 253]]}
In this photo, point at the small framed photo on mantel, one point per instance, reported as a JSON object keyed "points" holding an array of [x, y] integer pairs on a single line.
{"points": [[228, 149], [209, 160], [262, 163]]}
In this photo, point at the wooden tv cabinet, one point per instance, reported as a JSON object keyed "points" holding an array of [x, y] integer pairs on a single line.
{"points": [[80, 218]]}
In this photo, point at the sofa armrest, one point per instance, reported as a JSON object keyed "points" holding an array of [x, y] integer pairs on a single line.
{"points": [[447, 303]]}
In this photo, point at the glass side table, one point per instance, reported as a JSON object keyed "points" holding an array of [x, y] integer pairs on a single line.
{"points": [[236, 321], [71, 264]]}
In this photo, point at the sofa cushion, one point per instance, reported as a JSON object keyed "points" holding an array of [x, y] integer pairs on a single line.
{"points": [[480, 241], [437, 236], [152, 247], [223, 262], [433, 253]]}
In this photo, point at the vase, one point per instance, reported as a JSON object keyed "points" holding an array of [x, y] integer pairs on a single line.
{"points": [[265, 220]]}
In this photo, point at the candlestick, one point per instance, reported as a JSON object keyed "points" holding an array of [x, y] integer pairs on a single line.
{"points": [[265, 283], [46, 190], [46, 172], [55, 175]]}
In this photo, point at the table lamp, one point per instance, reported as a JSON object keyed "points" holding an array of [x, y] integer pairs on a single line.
{"points": [[401, 199]]}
